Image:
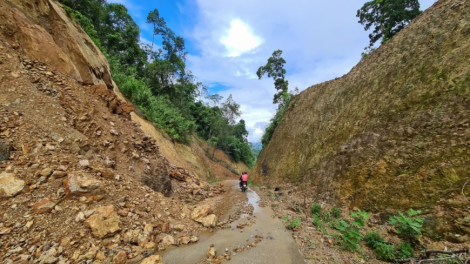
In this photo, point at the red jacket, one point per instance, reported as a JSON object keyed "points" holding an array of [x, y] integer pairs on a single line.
{"points": [[245, 177]]}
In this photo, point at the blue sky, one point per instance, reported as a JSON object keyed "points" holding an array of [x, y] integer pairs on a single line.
{"points": [[227, 40]]}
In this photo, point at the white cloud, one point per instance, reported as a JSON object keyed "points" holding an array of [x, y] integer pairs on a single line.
{"points": [[320, 40], [240, 38]]}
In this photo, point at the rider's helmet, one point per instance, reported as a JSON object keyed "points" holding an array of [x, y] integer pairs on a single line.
{"points": [[244, 172]]}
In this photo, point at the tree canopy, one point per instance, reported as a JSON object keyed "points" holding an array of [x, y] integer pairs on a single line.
{"points": [[275, 69], [158, 82], [387, 17]]}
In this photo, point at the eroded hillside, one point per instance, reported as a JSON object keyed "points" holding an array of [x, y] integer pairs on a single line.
{"points": [[393, 133], [82, 178]]}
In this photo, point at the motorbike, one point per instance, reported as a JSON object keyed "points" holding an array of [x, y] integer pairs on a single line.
{"points": [[244, 187]]}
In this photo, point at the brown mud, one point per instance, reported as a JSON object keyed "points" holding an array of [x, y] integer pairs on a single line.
{"points": [[256, 236]]}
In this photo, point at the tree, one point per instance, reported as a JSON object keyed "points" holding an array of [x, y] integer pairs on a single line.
{"points": [[387, 17], [275, 68], [157, 21], [215, 98], [230, 110]]}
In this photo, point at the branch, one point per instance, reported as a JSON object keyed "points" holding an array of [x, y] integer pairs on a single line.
{"points": [[428, 253]]}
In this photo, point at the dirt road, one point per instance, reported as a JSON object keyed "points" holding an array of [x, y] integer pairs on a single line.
{"points": [[272, 242]]}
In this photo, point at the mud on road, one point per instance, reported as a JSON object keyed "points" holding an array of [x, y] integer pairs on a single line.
{"points": [[254, 235]]}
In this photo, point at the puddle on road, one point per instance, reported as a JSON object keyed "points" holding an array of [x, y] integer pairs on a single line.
{"points": [[277, 245]]}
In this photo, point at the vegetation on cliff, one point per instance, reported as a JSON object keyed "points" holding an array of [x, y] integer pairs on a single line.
{"points": [[158, 82], [275, 68]]}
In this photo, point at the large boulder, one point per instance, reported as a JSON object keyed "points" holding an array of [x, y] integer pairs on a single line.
{"points": [[104, 222], [10, 185], [200, 212], [209, 221]]}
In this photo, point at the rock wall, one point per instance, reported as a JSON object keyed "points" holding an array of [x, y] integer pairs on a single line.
{"points": [[43, 31], [393, 133]]}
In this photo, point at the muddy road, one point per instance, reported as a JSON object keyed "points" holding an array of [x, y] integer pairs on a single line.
{"points": [[257, 238]]}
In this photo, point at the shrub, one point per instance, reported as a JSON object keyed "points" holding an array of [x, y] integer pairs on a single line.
{"points": [[385, 251], [336, 212], [315, 209], [326, 216], [350, 231], [408, 226], [292, 224], [317, 221], [372, 238], [405, 250]]}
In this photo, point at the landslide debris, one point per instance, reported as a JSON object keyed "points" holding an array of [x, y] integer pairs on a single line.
{"points": [[79, 180]]}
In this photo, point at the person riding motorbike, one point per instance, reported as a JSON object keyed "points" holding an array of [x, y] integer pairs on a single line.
{"points": [[243, 179]]}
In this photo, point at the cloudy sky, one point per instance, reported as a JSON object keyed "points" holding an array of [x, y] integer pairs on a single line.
{"points": [[228, 40]]}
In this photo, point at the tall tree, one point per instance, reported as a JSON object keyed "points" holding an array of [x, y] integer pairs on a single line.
{"points": [[157, 21], [275, 68], [231, 110], [387, 17]]}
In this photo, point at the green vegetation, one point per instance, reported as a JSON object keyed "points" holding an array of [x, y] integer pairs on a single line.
{"points": [[372, 238], [408, 226], [350, 230], [349, 233], [326, 216], [158, 82], [336, 212], [387, 17], [292, 224], [275, 68], [315, 209]]}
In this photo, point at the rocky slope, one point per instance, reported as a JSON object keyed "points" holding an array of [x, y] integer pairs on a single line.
{"points": [[79, 179], [393, 133]]}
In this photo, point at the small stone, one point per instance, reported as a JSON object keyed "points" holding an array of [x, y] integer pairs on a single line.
{"points": [[29, 224], [5, 231], [114, 132], [88, 213], [154, 259], [44, 206], [100, 255], [120, 258], [10, 185], [46, 172], [184, 240], [84, 163], [211, 253], [168, 240], [179, 227], [80, 217], [59, 174]]}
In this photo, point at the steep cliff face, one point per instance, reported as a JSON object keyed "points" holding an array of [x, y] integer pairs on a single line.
{"points": [[43, 31], [394, 132]]}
